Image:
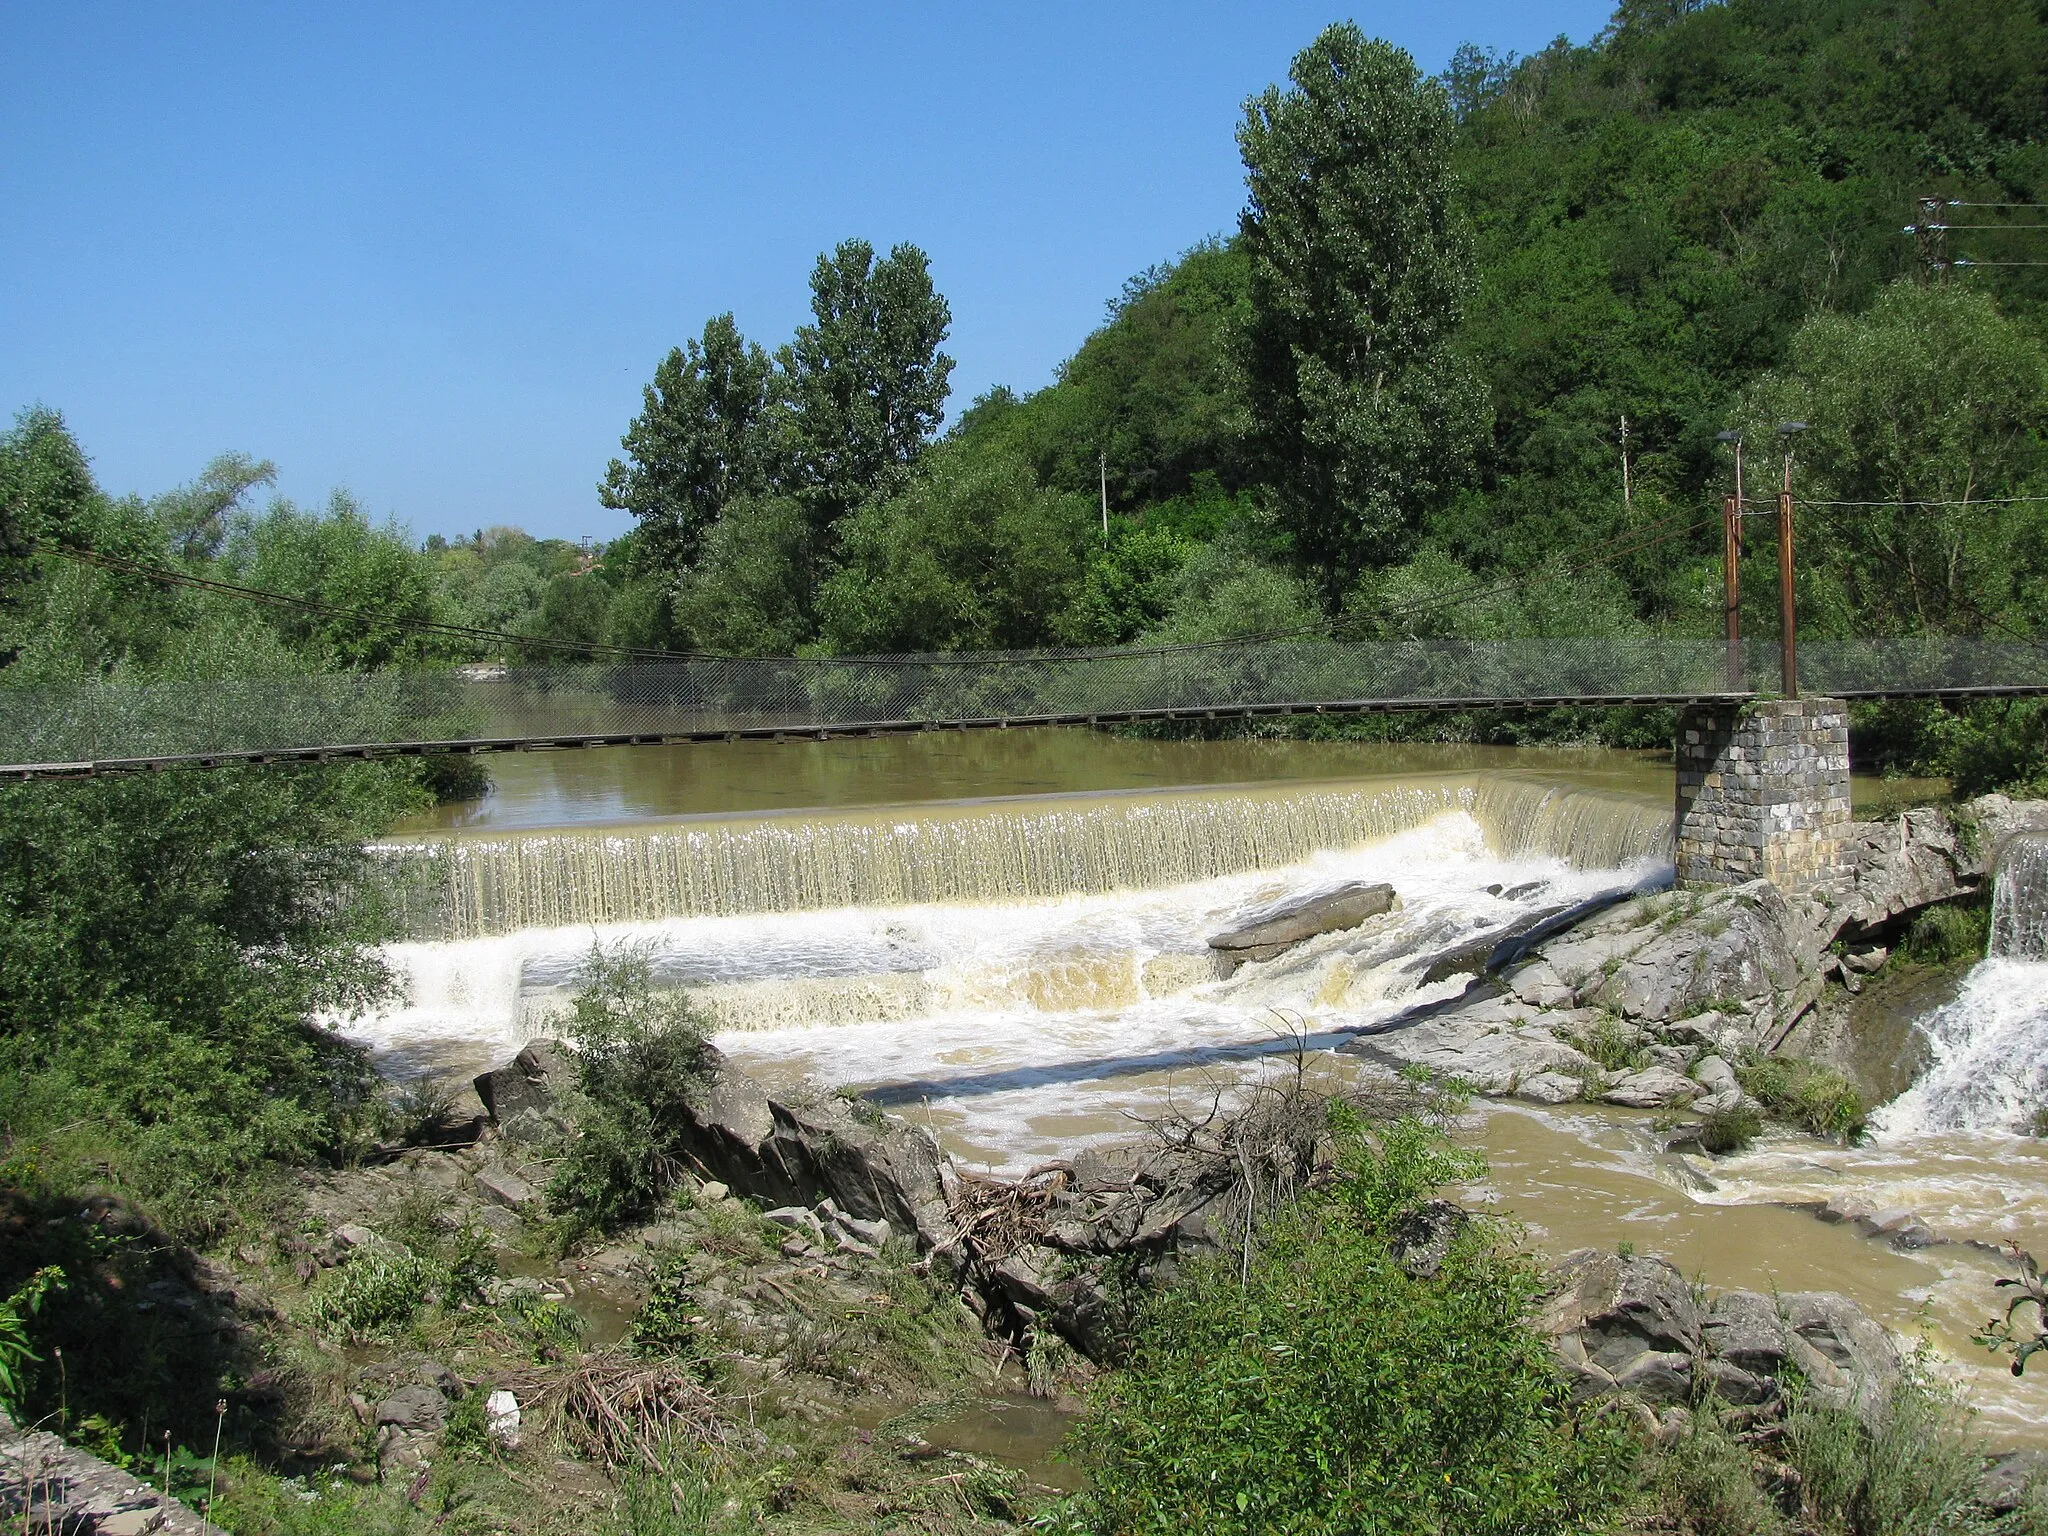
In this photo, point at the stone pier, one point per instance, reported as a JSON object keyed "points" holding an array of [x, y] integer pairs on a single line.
{"points": [[1763, 792]]}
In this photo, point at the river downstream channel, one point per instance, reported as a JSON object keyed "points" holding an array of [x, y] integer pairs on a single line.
{"points": [[1003, 936]]}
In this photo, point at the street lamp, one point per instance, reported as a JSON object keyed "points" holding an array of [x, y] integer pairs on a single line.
{"points": [[1731, 564], [1788, 630]]}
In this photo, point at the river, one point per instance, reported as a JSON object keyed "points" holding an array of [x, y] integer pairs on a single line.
{"points": [[1002, 935]]}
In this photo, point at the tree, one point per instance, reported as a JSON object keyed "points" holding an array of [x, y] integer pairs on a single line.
{"points": [[195, 516], [706, 433], [971, 555], [1932, 408], [750, 589], [866, 379], [45, 493], [1362, 416]]}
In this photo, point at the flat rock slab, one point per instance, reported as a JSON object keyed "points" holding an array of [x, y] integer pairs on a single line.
{"points": [[1289, 921]]}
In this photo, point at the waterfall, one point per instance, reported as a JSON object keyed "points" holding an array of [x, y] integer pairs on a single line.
{"points": [[1989, 1070], [465, 887], [2019, 900]]}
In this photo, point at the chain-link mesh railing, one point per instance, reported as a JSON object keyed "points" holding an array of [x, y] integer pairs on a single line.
{"points": [[114, 720]]}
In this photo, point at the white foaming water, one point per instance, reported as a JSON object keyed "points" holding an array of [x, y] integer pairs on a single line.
{"points": [[1989, 1070]]}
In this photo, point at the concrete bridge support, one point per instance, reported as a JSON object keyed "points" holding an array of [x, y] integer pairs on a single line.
{"points": [[1763, 792]]}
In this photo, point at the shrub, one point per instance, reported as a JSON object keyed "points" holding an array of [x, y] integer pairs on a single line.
{"points": [[1728, 1130], [638, 1055], [1615, 1045], [1948, 933], [1818, 1098], [1906, 1462], [373, 1293], [1704, 1483], [1321, 1388]]}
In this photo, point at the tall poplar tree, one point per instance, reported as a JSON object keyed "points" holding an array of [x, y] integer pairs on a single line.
{"points": [[1362, 417], [866, 378], [705, 435]]}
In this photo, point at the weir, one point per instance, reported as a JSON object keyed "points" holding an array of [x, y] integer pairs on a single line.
{"points": [[1032, 847]]}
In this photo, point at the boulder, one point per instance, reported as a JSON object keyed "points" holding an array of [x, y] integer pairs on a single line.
{"points": [[418, 1409], [1268, 930], [1654, 1087], [2010, 1478], [1498, 1045], [503, 1187], [1839, 1349], [1745, 1343], [795, 1152], [1424, 1237], [529, 1083], [1624, 1325]]}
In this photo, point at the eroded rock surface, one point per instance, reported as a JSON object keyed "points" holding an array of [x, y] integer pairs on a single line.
{"points": [[1275, 928]]}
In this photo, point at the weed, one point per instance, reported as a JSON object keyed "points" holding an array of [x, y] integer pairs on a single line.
{"points": [[1722, 1131], [669, 1324], [1614, 1043], [420, 1109], [1817, 1098], [1704, 1483], [1948, 933], [1907, 1461], [374, 1293]]}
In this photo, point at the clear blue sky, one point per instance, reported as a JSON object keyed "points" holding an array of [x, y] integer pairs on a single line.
{"points": [[431, 252]]}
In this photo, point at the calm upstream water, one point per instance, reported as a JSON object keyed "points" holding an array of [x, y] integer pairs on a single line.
{"points": [[1002, 935]]}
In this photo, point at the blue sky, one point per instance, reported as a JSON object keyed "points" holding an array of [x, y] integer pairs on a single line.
{"points": [[431, 253]]}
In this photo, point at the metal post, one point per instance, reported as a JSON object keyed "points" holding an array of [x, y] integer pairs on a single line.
{"points": [[1788, 629], [1731, 585]]}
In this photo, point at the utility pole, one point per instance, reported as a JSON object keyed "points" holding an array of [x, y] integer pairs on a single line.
{"points": [[1628, 505], [1788, 628], [1102, 463], [1731, 566]]}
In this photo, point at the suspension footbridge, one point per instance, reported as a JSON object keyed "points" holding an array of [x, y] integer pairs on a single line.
{"points": [[114, 725]]}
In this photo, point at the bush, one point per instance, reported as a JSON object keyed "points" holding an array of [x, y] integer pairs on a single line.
{"points": [[639, 1053], [1948, 933], [1817, 1098], [1704, 1484], [1722, 1131], [1906, 1462], [1317, 1387], [374, 1293]]}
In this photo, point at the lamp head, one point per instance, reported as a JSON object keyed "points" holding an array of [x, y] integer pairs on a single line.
{"points": [[1728, 437], [1788, 428]]}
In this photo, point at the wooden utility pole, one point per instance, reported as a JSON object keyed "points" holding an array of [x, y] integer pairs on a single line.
{"points": [[1102, 463], [1731, 566], [1788, 629]]}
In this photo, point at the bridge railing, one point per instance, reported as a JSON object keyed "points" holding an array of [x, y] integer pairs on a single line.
{"points": [[122, 719]]}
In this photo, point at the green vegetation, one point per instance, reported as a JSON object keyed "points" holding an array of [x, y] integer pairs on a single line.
{"points": [[1949, 933], [638, 1053], [1318, 1386], [1734, 1129], [1818, 1099]]}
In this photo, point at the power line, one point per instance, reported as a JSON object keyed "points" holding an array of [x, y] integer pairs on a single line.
{"points": [[1966, 501]]}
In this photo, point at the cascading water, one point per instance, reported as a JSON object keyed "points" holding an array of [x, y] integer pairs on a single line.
{"points": [[1989, 1067], [1051, 846]]}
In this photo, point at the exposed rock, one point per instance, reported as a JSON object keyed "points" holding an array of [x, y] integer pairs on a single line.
{"points": [[1269, 930], [1423, 1240], [504, 1187], [418, 1408], [1500, 1045], [1838, 1348], [1625, 1325], [48, 1486], [530, 1082], [1745, 1340], [1651, 1088], [2008, 1479]]}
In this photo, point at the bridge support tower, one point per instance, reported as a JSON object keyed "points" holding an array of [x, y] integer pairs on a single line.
{"points": [[1763, 792]]}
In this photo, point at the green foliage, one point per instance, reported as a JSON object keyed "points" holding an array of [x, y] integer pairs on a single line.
{"points": [[1931, 395], [1817, 1098], [1329, 1391], [1734, 1129], [707, 434], [1906, 1461], [1363, 417], [17, 1353], [970, 555], [670, 1323], [2011, 1332], [1614, 1043], [1705, 1484], [1948, 933], [639, 1055], [373, 1293]]}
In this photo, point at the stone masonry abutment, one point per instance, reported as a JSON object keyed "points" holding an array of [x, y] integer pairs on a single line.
{"points": [[1763, 793]]}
